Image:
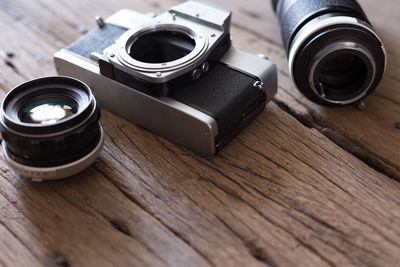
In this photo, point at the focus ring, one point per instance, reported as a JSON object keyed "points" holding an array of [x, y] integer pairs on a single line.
{"points": [[302, 11], [56, 150]]}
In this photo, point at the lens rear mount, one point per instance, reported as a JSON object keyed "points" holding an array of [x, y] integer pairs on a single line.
{"points": [[336, 60], [342, 72], [50, 128]]}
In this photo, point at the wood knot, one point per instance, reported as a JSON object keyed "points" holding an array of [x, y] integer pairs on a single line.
{"points": [[120, 226], [56, 259], [259, 253], [397, 125]]}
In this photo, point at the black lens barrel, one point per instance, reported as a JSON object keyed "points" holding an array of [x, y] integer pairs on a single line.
{"points": [[55, 144], [293, 14]]}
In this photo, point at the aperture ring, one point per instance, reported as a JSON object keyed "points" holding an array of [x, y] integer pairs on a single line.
{"points": [[56, 172]]}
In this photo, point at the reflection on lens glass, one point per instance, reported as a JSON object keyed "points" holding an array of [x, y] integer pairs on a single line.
{"points": [[48, 111]]}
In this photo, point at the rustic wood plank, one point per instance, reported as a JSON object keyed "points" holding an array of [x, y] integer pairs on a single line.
{"points": [[13, 253], [280, 194], [371, 134], [87, 227]]}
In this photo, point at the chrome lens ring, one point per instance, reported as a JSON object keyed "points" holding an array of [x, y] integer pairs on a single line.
{"points": [[331, 34], [363, 86], [125, 42], [317, 25]]}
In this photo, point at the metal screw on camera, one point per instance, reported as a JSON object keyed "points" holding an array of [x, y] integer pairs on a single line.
{"points": [[173, 16], [263, 56], [259, 85], [196, 74], [361, 105], [205, 67], [158, 74], [100, 21]]}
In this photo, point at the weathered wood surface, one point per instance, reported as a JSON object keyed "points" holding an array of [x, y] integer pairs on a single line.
{"points": [[303, 185]]}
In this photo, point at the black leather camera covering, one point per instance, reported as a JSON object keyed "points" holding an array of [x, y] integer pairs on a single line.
{"points": [[223, 93], [96, 40]]}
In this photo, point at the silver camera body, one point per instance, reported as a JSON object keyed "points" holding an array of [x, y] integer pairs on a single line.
{"points": [[174, 74]]}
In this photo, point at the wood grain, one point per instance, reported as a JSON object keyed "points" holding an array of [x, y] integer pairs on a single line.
{"points": [[303, 185]]}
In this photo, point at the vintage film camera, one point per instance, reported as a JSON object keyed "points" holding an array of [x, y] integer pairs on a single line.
{"points": [[175, 74]]}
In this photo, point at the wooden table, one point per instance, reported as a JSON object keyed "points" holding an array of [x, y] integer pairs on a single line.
{"points": [[303, 185]]}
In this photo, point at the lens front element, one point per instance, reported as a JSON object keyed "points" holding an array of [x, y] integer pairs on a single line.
{"points": [[48, 110]]}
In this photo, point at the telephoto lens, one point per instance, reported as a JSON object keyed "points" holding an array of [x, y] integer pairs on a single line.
{"points": [[335, 57], [50, 128]]}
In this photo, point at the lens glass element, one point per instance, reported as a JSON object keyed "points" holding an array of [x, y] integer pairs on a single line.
{"points": [[342, 75], [339, 70], [48, 110], [161, 46]]}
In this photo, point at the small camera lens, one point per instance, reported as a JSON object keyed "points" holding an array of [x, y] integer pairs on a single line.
{"points": [[50, 128]]}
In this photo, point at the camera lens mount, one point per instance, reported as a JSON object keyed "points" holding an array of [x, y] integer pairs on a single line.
{"points": [[176, 47], [50, 128]]}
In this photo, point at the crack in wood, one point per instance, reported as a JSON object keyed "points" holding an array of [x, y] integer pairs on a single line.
{"points": [[130, 197], [56, 259], [18, 239], [311, 249], [120, 226], [260, 253], [351, 146], [11, 65], [319, 221], [255, 249], [148, 211]]}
